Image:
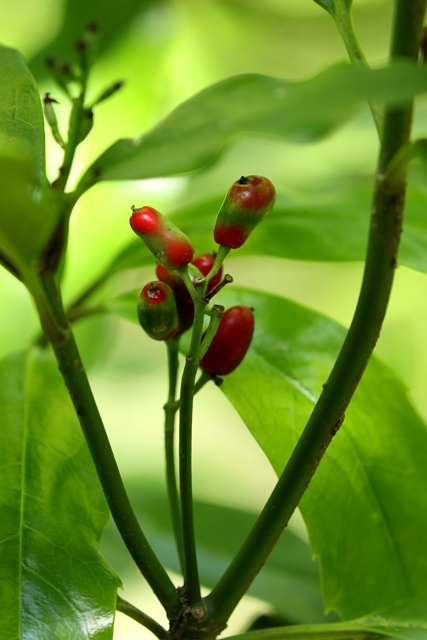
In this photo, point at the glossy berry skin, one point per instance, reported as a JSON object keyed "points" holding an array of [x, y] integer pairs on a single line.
{"points": [[185, 314], [171, 247], [204, 263], [231, 342], [247, 202], [157, 311]]}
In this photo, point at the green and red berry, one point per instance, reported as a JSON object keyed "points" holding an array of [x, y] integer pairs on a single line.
{"points": [[157, 311], [247, 202], [169, 244]]}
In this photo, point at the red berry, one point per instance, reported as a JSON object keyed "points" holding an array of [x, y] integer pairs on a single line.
{"points": [[171, 247], [204, 262], [231, 342], [185, 314], [247, 202], [145, 221]]}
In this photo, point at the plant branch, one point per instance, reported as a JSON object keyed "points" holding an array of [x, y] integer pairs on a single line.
{"points": [[171, 408], [344, 21], [328, 414], [191, 574], [55, 325], [139, 616]]}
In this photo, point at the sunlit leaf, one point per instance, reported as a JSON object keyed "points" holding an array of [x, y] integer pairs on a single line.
{"points": [[366, 508], [54, 583], [199, 128], [21, 116]]}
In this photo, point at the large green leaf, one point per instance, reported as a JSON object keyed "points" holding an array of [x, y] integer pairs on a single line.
{"points": [[53, 581], [199, 128], [289, 580], [26, 220], [21, 116], [404, 621], [366, 509], [27, 215]]}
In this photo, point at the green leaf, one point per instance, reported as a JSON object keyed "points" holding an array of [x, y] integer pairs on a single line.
{"points": [[194, 134], [366, 508], [26, 220], [52, 512], [289, 580], [21, 115], [404, 621]]}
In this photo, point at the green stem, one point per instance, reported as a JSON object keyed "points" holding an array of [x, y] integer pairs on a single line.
{"points": [[344, 21], [191, 574], [75, 122], [55, 325], [139, 616], [221, 255], [171, 408], [216, 314], [328, 414]]}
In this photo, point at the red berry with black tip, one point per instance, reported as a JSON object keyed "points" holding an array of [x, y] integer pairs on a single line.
{"points": [[157, 311], [171, 247], [231, 341], [246, 204]]}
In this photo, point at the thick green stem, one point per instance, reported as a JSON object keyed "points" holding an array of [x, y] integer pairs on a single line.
{"points": [[171, 408], [328, 414], [191, 574], [59, 334]]}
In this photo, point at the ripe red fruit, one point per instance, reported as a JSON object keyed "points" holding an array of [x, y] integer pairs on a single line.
{"points": [[171, 247], [247, 202], [231, 342], [157, 311]]}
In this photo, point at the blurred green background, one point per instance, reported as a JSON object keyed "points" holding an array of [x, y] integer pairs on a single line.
{"points": [[165, 51]]}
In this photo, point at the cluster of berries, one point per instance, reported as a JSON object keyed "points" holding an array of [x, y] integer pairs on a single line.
{"points": [[166, 306]]}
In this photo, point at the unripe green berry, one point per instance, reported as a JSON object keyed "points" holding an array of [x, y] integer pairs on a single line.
{"points": [[247, 202], [157, 311], [170, 246]]}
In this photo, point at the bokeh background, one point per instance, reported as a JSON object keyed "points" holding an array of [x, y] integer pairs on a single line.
{"points": [[166, 51]]}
